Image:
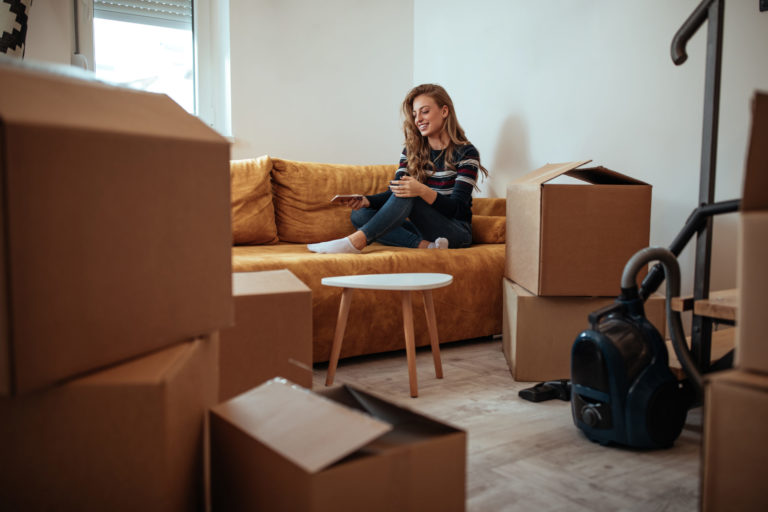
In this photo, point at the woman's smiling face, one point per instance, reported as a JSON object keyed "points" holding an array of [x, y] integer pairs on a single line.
{"points": [[429, 118]]}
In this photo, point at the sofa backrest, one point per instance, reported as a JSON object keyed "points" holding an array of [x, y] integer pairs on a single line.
{"points": [[302, 192], [283, 200]]}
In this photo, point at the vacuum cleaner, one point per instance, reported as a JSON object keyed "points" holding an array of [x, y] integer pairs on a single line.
{"points": [[622, 390]]}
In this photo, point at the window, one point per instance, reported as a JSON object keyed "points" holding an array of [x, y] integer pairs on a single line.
{"points": [[147, 45], [178, 47]]}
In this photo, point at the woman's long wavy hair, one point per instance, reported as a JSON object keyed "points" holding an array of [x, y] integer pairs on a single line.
{"points": [[417, 148]]}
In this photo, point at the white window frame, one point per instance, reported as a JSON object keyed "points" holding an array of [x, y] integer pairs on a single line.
{"points": [[211, 53]]}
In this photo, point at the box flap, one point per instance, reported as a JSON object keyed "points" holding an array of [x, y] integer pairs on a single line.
{"points": [[311, 431], [601, 176], [548, 172], [44, 97], [755, 193]]}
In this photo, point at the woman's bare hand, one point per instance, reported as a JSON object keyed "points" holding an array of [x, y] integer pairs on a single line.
{"points": [[407, 187], [356, 202]]}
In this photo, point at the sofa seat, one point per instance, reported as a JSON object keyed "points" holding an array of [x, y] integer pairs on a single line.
{"points": [[470, 307]]}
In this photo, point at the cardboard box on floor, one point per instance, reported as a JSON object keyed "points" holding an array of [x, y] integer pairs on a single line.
{"points": [[126, 438], [538, 332], [574, 239], [751, 346], [280, 447], [115, 227], [272, 335], [735, 449]]}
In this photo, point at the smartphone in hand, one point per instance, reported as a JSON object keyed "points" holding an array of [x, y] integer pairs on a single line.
{"points": [[345, 198]]}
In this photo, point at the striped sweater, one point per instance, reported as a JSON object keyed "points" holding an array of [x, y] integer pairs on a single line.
{"points": [[454, 187]]}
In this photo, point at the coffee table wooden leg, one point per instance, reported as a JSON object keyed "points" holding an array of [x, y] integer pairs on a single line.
{"points": [[429, 310], [338, 337], [410, 344]]}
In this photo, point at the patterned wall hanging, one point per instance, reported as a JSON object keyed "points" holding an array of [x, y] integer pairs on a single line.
{"points": [[13, 26]]}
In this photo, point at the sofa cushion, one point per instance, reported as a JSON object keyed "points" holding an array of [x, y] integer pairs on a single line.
{"points": [[488, 229], [253, 216], [469, 308], [489, 222], [493, 206], [303, 190]]}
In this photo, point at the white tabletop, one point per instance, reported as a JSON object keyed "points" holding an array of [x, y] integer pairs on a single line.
{"points": [[409, 281]]}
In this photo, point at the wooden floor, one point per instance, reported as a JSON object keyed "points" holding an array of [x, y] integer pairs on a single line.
{"points": [[525, 456]]}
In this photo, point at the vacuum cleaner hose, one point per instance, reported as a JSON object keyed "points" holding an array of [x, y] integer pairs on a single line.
{"points": [[674, 322]]}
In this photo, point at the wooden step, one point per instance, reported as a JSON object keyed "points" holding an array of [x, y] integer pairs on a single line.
{"points": [[721, 304]]}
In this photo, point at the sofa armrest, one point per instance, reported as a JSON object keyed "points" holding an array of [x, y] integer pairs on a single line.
{"points": [[489, 229], [495, 206]]}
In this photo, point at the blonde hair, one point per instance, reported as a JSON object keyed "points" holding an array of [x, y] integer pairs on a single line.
{"points": [[417, 147]]}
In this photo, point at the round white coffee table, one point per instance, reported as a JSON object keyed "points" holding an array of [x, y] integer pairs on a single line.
{"points": [[405, 284]]}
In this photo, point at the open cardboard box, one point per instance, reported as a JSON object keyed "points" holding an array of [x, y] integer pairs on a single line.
{"points": [[130, 437], [752, 275], [282, 447], [735, 450], [272, 335], [114, 226], [574, 238], [538, 332]]}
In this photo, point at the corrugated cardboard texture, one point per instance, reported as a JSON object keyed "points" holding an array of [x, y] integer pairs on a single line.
{"points": [[752, 321], [277, 414], [574, 240], [539, 331], [752, 276], [117, 233], [126, 438], [735, 449], [417, 466], [755, 194], [272, 335]]}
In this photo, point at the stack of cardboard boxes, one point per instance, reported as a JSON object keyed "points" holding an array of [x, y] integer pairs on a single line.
{"points": [[736, 401], [120, 332], [115, 276], [570, 231]]}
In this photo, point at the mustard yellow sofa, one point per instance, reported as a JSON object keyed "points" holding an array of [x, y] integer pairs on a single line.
{"points": [[279, 206]]}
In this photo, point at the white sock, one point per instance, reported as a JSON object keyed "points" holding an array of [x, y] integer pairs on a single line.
{"points": [[338, 246], [439, 243]]}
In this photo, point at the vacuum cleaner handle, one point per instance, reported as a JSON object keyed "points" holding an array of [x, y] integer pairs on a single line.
{"points": [[695, 222], [686, 31], [674, 323]]}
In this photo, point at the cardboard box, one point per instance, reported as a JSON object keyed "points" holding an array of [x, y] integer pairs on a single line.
{"points": [[126, 438], [116, 237], [752, 274], [280, 447], [272, 336], [538, 332], [574, 239], [735, 447]]}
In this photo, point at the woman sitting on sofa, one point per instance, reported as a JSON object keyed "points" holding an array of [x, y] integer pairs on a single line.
{"points": [[429, 203]]}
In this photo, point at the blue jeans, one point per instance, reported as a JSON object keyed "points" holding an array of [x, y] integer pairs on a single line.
{"points": [[406, 221]]}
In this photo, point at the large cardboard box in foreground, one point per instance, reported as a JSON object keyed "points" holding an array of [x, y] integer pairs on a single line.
{"points": [[280, 447], [115, 230], [272, 335], [735, 446], [574, 238], [538, 332], [752, 320], [126, 438]]}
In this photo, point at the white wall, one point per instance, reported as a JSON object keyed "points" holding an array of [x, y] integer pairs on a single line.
{"points": [[555, 81], [50, 31], [320, 81]]}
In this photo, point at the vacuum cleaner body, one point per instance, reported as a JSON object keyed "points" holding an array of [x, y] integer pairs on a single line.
{"points": [[622, 390]]}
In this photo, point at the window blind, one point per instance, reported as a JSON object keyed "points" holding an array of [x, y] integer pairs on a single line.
{"points": [[164, 13]]}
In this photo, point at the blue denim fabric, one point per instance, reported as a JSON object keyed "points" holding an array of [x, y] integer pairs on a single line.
{"points": [[406, 221]]}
